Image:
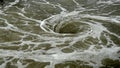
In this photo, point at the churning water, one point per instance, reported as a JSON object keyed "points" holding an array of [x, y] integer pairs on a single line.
{"points": [[60, 34]]}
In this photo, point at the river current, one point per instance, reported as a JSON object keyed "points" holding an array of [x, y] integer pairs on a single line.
{"points": [[60, 34]]}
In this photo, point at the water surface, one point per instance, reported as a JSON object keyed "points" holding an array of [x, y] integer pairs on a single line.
{"points": [[60, 34]]}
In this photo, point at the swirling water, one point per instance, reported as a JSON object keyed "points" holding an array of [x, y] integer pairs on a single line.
{"points": [[60, 34]]}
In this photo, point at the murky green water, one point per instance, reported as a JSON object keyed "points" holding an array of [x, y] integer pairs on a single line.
{"points": [[60, 34]]}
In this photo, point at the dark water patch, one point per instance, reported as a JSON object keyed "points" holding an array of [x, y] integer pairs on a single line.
{"points": [[41, 11], [2, 2], [29, 37], [90, 40], [112, 9], [116, 12], [98, 47], [62, 45], [109, 24], [11, 17], [8, 58], [81, 2], [13, 10], [23, 24], [9, 36], [103, 39], [24, 27], [113, 27], [79, 45], [7, 4], [49, 9], [16, 42], [90, 11], [20, 47], [87, 3], [43, 47], [9, 0], [12, 63], [67, 50], [67, 4], [115, 39], [10, 47], [26, 61], [110, 63], [1, 61], [29, 62], [38, 65], [4, 59], [24, 47], [2, 23], [9, 65], [73, 64], [27, 47], [30, 28], [21, 4]]}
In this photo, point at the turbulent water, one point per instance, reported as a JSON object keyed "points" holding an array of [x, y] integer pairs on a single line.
{"points": [[60, 34]]}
